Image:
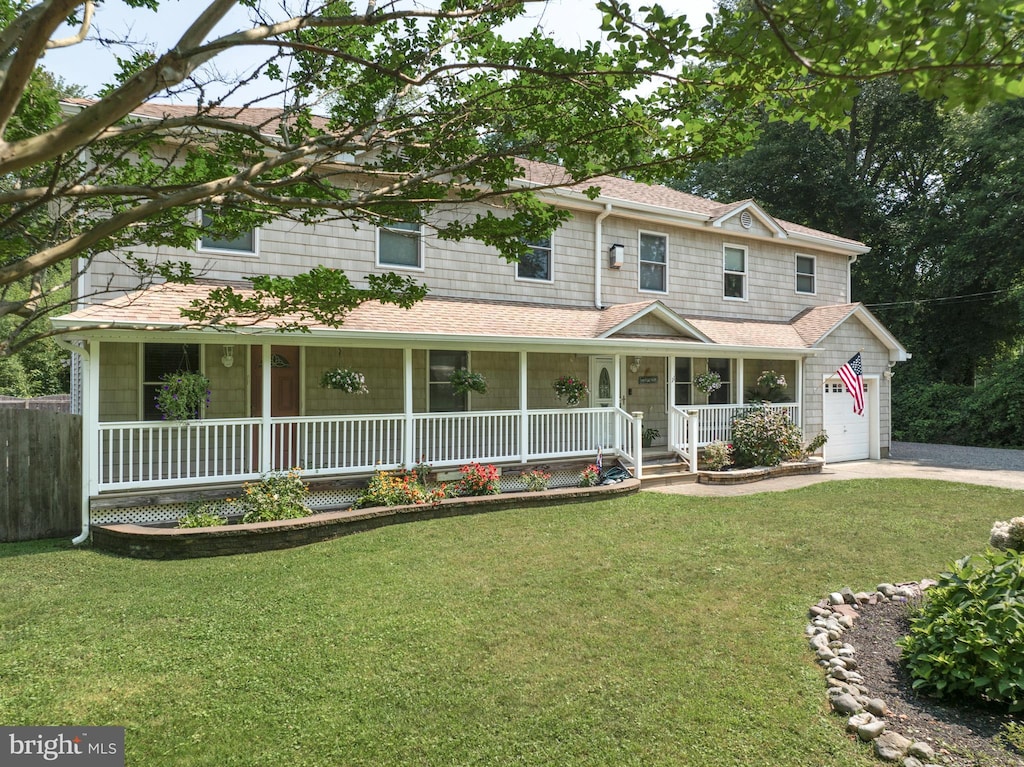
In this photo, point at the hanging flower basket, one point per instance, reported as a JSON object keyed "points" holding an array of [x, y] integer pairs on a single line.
{"points": [[342, 379], [463, 380], [181, 395], [771, 380], [571, 390], [708, 382]]}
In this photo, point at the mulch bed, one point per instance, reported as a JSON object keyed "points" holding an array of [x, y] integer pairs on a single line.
{"points": [[965, 735]]}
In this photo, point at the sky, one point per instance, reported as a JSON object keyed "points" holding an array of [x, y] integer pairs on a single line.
{"points": [[92, 66]]}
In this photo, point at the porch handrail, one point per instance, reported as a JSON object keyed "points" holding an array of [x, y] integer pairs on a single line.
{"points": [[715, 421]]}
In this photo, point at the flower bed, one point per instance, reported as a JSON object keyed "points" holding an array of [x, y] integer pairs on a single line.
{"points": [[150, 542]]}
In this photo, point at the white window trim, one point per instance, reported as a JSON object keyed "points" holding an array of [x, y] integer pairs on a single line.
{"points": [[551, 266], [745, 272], [419, 252], [797, 274], [254, 253], [639, 241]]}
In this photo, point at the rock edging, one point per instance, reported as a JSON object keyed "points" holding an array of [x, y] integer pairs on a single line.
{"points": [[847, 695], [758, 473]]}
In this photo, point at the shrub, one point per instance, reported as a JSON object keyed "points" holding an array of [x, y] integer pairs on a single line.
{"points": [[763, 436], [203, 515], [1008, 535], [400, 488], [966, 638], [479, 480], [276, 496], [590, 475], [536, 480], [717, 456]]}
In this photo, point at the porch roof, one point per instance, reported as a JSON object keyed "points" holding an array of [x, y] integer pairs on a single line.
{"points": [[158, 308]]}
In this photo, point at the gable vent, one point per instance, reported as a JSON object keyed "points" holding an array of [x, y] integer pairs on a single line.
{"points": [[746, 220]]}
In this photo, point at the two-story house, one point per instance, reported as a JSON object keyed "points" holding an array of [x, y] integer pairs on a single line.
{"points": [[640, 293]]}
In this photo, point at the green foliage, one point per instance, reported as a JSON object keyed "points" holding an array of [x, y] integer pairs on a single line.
{"points": [[400, 488], [590, 475], [571, 389], [478, 480], [182, 395], [968, 637], [277, 496], [463, 381], [764, 436], [203, 515], [1008, 535], [343, 379]]}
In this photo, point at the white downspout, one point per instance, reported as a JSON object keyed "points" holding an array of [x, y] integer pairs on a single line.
{"points": [[599, 253], [850, 261], [88, 384]]}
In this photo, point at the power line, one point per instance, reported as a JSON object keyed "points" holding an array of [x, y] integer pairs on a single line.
{"points": [[948, 299]]}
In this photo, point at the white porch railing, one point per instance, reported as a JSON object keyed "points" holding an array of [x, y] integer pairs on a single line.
{"points": [[714, 422], [140, 455]]}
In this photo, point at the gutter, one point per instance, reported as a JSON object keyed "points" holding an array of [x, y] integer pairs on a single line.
{"points": [[599, 254], [83, 535]]}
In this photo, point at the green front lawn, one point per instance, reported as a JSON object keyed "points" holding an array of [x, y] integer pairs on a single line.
{"points": [[651, 630]]}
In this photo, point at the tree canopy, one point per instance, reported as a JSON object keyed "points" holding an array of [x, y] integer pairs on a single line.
{"points": [[394, 111]]}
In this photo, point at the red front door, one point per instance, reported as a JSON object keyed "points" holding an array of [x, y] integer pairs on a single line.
{"points": [[284, 399]]}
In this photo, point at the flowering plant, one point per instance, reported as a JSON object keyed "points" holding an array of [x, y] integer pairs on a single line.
{"points": [[1008, 535], [479, 480], [181, 395], [708, 382], [717, 456], [590, 475], [571, 389], [771, 380], [400, 488], [536, 480], [276, 496], [344, 380], [463, 380]]}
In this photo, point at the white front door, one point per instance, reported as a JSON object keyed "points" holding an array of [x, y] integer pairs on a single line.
{"points": [[602, 387], [602, 394]]}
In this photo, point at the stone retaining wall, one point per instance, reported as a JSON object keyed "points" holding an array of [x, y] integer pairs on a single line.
{"points": [[150, 542], [741, 476]]}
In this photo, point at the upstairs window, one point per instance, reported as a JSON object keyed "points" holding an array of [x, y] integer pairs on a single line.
{"points": [[805, 274], [157, 361], [399, 244], [653, 262], [536, 265], [243, 244], [735, 272]]}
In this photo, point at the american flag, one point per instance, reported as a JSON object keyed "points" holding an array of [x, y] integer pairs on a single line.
{"points": [[852, 374], [599, 462]]}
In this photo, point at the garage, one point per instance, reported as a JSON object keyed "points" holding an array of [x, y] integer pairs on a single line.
{"points": [[849, 434]]}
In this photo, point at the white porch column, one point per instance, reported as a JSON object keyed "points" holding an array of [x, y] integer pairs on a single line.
{"points": [[524, 409], [739, 380], [638, 443], [799, 399], [408, 455], [692, 425], [617, 394], [90, 361], [266, 459]]}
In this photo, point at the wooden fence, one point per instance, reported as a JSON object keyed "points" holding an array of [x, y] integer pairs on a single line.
{"points": [[40, 474]]}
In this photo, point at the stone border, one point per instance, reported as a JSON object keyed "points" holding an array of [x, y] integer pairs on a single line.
{"points": [[847, 696], [152, 542], [742, 476]]}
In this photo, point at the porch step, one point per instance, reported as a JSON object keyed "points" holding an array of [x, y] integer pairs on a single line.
{"points": [[659, 475]]}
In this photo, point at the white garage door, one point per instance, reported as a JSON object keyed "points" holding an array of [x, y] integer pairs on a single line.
{"points": [[848, 433]]}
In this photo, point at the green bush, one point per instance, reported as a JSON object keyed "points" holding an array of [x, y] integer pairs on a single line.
{"points": [[967, 639], [764, 436], [203, 515], [276, 496]]}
